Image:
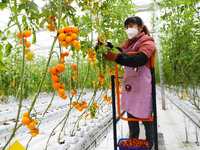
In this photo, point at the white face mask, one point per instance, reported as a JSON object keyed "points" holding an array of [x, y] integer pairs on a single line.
{"points": [[131, 32]]}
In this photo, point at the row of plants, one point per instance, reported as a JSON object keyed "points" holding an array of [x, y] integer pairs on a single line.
{"points": [[179, 39], [34, 71]]}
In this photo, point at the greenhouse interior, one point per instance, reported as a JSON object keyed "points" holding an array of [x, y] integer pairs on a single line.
{"points": [[100, 75]]}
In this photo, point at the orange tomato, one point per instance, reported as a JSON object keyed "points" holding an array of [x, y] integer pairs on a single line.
{"points": [[28, 44], [63, 43], [25, 120], [25, 114], [56, 85], [55, 78], [60, 67], [61, 92], [68, 39], [31, 125], [78, 46], [26, 33], [68, 29], [73, 92], [53, 71], [74, 29], [74, 67], [64, 97], [62, 36], [63, 85], [74, 36], [80, 108], [61, 30]]}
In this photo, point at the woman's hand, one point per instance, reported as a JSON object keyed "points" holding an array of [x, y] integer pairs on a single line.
{"points": [[97, 45], [110, 56]]}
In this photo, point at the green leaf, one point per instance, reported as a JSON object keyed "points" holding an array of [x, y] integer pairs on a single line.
{"points": [[33, 15], [1, 46], [3, 67], [114, 50], [13, 9], [33, 7], [24, 17], [1, 56], [1, 32], [4, 4], [73, 55], [24, 20], [8, 49], [8, 32], [42, 23], [4, 38], [21, 6]]}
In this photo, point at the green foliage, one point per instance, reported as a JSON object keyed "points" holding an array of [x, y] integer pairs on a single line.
{"points": [[4, 4], [180, 38], [2, 66], [8, 49], [110, 16], [180, 42]]}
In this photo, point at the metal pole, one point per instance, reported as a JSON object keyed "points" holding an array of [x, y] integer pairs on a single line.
{"points": [[114, 112], [154, 108], [154, 94], [159, 61]]}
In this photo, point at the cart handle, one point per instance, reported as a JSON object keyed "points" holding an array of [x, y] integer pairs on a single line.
{"points": [[118, 98]]}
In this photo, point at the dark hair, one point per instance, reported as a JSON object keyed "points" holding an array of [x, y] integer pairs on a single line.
{"points": [[137, 20]]}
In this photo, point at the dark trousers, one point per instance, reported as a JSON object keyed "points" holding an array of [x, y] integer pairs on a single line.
{"points": [[134, 129]]}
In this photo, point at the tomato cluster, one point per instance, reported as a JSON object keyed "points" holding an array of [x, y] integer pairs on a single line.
{"points": [[68, 36], [109, 71], [28, 53], [107, 98], [51, 23], [134, 143], [80, 106], [75, 72], [91, 56], [27, 120], [101, 78], [55, 78]]}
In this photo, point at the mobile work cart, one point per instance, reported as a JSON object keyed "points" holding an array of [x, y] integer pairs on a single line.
{"points": [[153, 118]]}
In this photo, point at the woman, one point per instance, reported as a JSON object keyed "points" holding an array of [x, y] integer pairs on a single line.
{"points": [[137, 88]]}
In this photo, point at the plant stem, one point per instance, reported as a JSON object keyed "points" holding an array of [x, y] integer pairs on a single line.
{"points": [[22, 75], [57, 126], [42, 117], [81, 93]]}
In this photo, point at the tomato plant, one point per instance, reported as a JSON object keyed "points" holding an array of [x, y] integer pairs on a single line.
{"points": [[180, 39]]}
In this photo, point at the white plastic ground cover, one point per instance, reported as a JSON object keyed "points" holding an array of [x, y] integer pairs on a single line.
{"points": [[172, 123], [86, 134], [52, 118], [6, 116], [185, 106]]}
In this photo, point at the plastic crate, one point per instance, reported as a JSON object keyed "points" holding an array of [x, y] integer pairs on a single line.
{"points": [[129, 147]]}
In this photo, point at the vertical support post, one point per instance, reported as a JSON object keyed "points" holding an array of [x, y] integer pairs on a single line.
{"points": [[159, 59], [186, 129], [114, 112], [154, 108], [197, 137]]}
